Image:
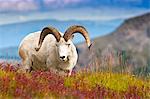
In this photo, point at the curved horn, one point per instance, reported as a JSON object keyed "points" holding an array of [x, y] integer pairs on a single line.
{"points": [[80, 29], [45, 32]]}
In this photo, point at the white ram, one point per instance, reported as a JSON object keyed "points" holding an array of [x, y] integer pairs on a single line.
{"points": [[51, 49]]}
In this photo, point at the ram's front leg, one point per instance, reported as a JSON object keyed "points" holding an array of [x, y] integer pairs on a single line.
{"points": [[69, 72], [70, 68], [26, 66]]}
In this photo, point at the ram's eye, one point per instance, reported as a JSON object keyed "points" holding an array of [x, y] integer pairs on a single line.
{"points": [[68, 45]]}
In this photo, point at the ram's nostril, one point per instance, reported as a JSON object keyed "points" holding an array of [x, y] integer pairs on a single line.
{"points": [[62, 57]]}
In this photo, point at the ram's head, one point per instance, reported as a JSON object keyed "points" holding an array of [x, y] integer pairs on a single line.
{"points": [[64, 42]]}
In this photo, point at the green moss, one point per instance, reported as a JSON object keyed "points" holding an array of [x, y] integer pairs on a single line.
{"points": [[116, 82]]}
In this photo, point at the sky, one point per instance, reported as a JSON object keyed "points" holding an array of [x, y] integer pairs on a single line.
{"points": [[104, 11], [34, 5], [26, 10]]}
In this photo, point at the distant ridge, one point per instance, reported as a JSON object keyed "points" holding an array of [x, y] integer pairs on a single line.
{"points": [[143, 18], [9, 53], [132, 36]]}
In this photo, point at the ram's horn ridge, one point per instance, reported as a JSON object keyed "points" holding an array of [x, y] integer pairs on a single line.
{"points": [[77, 29], [45, 32]]}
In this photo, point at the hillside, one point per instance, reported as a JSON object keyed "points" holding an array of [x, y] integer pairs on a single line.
{"points": [[128, 45]]}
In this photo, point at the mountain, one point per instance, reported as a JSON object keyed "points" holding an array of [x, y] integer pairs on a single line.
{"points": [[128, 45], [9, 53]]}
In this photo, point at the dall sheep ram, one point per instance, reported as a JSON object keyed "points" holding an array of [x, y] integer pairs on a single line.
{"points": [[49, 48]]}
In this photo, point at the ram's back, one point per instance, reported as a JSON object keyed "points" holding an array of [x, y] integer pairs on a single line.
{"points": [[30, 42]]}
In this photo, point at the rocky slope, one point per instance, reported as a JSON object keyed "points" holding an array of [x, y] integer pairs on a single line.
{"points": [[129, 44]]}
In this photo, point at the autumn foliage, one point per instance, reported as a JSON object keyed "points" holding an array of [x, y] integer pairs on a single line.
{"points": [[82, 84]]}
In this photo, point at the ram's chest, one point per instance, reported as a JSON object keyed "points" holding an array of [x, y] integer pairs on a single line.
{"points": [[63, 65], [39, 66], [38, 63]]}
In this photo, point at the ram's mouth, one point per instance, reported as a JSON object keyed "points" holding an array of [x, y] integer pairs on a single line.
{"points": [[63, 60], [64, 70]]}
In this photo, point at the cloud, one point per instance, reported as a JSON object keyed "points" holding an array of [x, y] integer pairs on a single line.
{"points": [[102, 13], [72, 1], [62, 3], [32, 5], [17, 5], [99, 14]]}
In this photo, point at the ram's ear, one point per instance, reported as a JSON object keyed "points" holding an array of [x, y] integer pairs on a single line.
{"points": [[72, 37]]}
